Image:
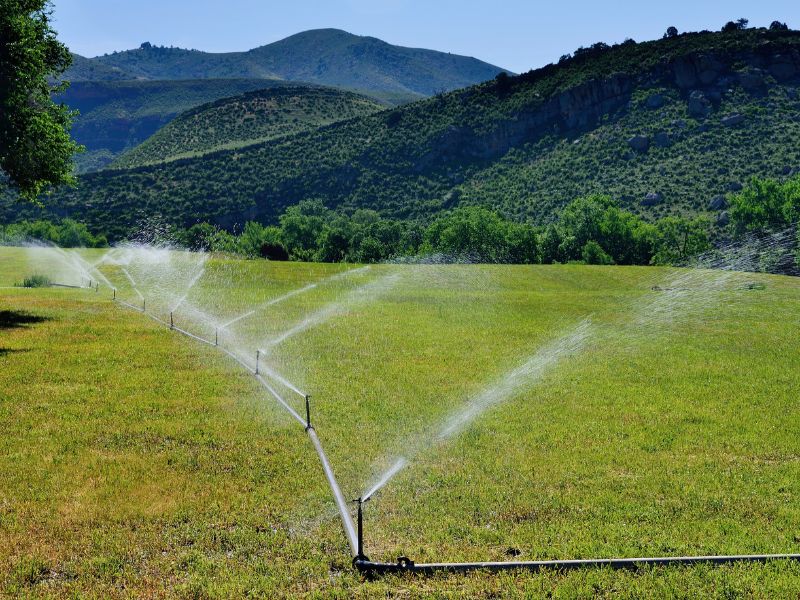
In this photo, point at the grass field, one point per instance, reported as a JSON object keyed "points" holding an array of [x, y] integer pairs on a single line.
{"points": [[135, 462]]}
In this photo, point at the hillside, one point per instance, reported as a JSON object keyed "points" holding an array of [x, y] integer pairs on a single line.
{"points": [[716, 108], [324, 56], [248, 119], [86, 69], [117, 115]]}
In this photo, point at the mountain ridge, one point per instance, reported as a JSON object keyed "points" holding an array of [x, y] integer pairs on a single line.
{"points": [[323, 56]]}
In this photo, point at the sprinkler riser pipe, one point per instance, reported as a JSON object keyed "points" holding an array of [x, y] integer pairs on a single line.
{"points": [[308, 412], [258, 355]]}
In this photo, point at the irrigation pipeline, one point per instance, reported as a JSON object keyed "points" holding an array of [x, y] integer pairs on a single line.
{"points": [[341, 503], [406, 565]]}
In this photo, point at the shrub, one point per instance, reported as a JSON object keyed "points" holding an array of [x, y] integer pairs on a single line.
{"points": [[36, 281], [593, 254]]}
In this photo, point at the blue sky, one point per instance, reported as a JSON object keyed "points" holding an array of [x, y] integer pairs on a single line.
{"points": [[514, 34]]}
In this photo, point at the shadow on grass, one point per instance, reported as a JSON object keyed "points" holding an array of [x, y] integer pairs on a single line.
{"points": [[11, 319], [4, 351]]}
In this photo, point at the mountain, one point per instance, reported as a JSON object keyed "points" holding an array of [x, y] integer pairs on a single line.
{"points": [[666, 127], [248, 119], [324, 56]]}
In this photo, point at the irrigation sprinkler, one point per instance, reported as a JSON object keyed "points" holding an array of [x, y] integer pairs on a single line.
{"points": [[360, 557], [96, 287], [144, 305], [308, 412], [171, 321], [115, 294], [258, 355], [216, 337]]}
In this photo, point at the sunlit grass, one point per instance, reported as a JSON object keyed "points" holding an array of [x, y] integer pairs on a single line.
{"points": [[137, 462]]}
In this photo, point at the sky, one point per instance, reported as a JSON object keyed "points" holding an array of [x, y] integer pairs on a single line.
{"points": [[514, 34]]}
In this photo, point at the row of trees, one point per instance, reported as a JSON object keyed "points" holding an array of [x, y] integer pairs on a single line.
{"points": [[67, 234], [593, 230]]}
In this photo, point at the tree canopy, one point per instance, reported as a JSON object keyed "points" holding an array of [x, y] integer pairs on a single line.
{"points": [[35, 146]]}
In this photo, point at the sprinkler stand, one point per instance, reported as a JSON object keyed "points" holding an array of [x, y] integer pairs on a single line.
{"points": [[144, 305], [360, 557], [216, 337], [171, 321], [258, 354], [308, 412], [115, 294]]}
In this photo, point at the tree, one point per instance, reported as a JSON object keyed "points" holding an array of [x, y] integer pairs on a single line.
{"points": [[765, 205], [593, 254], [778, 26], [672, 32], [680, 239], [35, 146], [301, 227], [738, 25]]}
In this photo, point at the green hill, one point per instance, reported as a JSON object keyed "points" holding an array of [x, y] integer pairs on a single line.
{"points": [[712, 108], [247, 119], [86, 69], [117, 115], [325, 56]]}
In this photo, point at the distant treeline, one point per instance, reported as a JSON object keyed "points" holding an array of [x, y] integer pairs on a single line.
{"points": [[67, 233], [591, 230]]}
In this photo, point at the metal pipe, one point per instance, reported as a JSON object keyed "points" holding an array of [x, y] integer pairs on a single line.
{"points": [[258, 354], [360, 556], [406, 565], [341, 503], [144, 305], [308, 412], [216, 337], [171, 321]]}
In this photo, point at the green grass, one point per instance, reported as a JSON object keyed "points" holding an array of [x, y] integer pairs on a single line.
{"points": [[137, 462]]}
